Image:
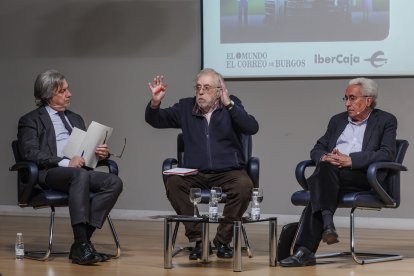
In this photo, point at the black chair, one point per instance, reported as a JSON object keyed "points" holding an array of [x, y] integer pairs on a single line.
{"points": [[252, 168], [30, 194], [381, 195]]}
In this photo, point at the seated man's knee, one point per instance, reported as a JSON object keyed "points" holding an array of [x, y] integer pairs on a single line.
{"points": [[173, 182], [117, 185], [327, 166], [244, 188]]}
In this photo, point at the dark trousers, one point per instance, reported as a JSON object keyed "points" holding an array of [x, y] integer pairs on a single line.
{"points": [[326, 185], [236, 184], [79, 184]]}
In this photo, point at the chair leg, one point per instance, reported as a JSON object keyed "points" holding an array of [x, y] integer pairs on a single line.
{"points": [[377, 257], [115, 237], [246, 242], [356, 256], [44, 255]]}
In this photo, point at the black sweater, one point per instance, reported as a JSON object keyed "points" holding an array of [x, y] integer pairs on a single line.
{"points": [[214, 147]]}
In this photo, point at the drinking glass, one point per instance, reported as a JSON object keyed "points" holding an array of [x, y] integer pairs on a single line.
{"points": [[195, 198]]}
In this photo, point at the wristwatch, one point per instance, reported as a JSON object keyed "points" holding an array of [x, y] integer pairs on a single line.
{"points": [[229, 106]]}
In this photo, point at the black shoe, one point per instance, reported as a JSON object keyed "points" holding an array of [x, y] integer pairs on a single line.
{"points": [[329, 235], [102, 256], [223, 250], [83, 254], [302, 257], [197, 251]]}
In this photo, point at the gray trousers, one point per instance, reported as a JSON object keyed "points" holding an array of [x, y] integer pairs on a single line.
{"points": [[79, 184], [236, 184]]}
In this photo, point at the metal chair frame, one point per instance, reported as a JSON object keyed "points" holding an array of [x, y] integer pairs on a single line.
{"points": [[385, 199], [31, 195]]}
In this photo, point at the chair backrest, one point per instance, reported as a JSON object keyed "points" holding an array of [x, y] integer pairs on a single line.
{"points": [[392, 183], [26, 178], [246, 141], [402, 146], [16, 153]]}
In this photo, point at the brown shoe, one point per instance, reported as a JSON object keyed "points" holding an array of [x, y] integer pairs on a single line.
{"points": [[329, 235]]}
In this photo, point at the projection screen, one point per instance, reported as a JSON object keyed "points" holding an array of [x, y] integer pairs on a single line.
{"points": [[308, 38]]}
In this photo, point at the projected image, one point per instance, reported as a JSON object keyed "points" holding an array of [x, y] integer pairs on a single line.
{"points": [[245, 21]]}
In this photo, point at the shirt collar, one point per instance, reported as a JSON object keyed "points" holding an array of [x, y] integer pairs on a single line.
{"points": [[50, 110], [197, 109], [360, 123]]}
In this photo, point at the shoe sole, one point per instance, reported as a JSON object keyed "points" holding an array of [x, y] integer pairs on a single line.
{"points": [[330, 238], [224, 257], [85, 263], [310, 263]]}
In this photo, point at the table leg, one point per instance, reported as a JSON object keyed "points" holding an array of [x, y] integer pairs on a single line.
{"points": [[167, 244], [237, 260], [272, 242], [205, 241]]}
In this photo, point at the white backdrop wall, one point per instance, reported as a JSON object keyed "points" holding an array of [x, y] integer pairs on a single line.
{"points": [[110, 49]]}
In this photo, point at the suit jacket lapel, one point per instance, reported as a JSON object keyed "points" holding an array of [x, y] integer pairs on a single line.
{"points": [[50, 130], [342, 123], [74, 120], [372, 122]]}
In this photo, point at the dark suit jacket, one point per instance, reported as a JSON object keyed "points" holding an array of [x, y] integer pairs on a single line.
{"points": [[379, 143], [37, 139]]}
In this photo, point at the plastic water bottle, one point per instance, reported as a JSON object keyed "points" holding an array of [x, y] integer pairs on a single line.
{"points": [[213, 205], [255, 211], [257, 198], [19, 246]]}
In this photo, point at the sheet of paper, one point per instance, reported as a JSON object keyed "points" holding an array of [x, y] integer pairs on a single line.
{"points": [[84, 143], [72, 147]]}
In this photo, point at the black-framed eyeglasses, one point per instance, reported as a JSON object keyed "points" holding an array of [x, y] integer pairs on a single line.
{"points": [[352, 98], [123, 148], [122, 151], [206, 88]]}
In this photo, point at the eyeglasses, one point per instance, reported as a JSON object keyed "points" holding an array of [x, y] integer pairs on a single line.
{"points": [[122, 151], [352, 98], [111, 154], [205, 88]]}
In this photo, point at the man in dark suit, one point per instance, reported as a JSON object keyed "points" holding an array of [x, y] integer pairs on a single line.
{"points": [[42, 135], [353, 140]]}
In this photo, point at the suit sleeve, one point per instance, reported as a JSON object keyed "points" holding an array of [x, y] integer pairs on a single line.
{"points": [[384, 150], [322, 145], [32, 137]]}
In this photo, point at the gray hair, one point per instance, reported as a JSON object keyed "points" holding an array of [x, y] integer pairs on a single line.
{"points": [[46, 83], [369, 88], [206, 71]]}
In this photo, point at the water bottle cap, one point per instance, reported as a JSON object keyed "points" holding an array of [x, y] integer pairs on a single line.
{"points": [[19, 234]]}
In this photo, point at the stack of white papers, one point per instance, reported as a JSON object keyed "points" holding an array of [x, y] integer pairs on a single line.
{"points": [[84, 143], [180, 171]]}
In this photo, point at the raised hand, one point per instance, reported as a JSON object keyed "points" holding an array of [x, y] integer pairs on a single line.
{"points": [[224, 94], [158, 89]]}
